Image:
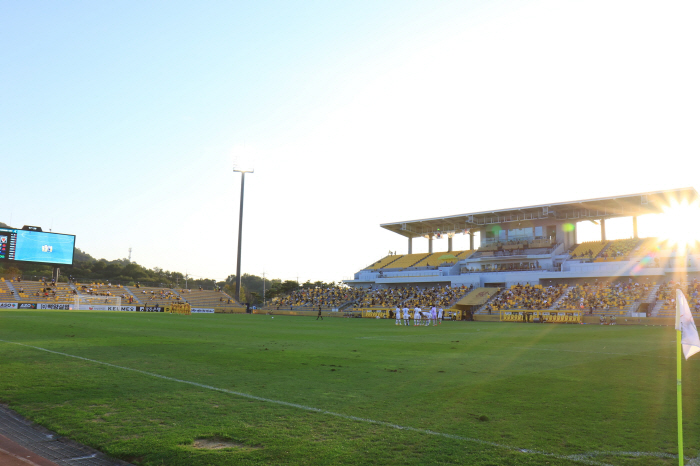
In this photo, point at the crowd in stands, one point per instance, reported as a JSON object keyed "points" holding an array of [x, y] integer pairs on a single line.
{"points": [[160, 294], [412, 296], [97, 289], [526, 297], [330, 297], [667, 293], [604, 295], [436, 296]]}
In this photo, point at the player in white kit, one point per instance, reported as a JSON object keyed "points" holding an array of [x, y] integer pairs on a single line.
{"points": [[416, 316], [439, 311], [398, 315], [405, 315], [426, 315], [433, 315]]}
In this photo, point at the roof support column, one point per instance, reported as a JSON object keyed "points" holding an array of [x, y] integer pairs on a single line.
{"points": [[602, 229], [575, 233], [410, 245], [471, 240], [430, 244], [634, 227], [449, 244]]}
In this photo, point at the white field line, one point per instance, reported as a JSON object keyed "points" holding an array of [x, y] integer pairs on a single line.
{"points": [[580, 458]]}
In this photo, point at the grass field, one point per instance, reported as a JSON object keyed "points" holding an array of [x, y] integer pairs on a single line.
{"points": [[464, 392]]}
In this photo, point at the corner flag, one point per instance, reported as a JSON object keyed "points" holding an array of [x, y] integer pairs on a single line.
{"points": [[686, 338], [684, 322]]}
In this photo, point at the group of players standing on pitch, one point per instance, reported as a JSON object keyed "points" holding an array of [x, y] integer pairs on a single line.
{"points": [[433, 315]]}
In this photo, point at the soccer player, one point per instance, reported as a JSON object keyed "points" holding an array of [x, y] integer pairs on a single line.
{"points": [[433, 315], [416, 316], [398, 315], [405, 315], [439, 311]]}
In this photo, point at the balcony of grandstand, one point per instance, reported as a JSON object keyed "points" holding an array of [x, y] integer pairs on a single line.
{"points": [[525, 247]]}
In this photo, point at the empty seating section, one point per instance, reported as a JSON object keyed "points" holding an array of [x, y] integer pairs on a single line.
{"points": [[40, 292], [646, 246], [102, 289], [464, 254], [478, 296], [604, 296], [402, 261], [408, 260], [152, 295], [433, 260], [208, 299], [6, 294], [589, 249], [526, 297], [331, 297], [619, 249], [384, 262]]}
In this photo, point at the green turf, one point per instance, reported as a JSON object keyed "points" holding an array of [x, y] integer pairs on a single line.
{"points": [[559, 389]]}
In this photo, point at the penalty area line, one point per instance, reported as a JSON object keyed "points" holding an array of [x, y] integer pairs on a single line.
{"points": [[580, 458]]}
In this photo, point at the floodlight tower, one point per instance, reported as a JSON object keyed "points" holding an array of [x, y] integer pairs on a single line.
{"points": [[242, 171]]}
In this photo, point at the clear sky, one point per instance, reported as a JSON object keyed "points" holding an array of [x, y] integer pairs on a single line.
{"points": [[120, 121]]}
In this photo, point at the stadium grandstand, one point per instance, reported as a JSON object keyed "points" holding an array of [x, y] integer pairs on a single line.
{"points": [[527, 259], [531, 258]]}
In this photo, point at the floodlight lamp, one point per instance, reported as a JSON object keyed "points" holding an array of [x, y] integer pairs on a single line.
{"points": [[240, 169]]}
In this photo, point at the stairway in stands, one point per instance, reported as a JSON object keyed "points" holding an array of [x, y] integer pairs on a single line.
{"points": [[561, 298], [12, 289], [136, 298]]}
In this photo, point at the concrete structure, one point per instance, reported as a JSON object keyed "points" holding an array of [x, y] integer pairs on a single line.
{"points": [[533, 244]]}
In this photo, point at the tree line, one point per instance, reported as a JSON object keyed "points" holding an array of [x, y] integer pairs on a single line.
{"points": [[87, 269]]}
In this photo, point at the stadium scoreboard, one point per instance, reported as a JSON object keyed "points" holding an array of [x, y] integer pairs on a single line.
{"points": [[33, 245]]}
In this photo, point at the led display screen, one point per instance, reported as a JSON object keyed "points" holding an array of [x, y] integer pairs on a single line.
{"points": [[36, 246]]}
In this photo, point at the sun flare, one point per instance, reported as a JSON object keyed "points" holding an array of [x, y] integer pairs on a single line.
{"points": [[681, 224]]}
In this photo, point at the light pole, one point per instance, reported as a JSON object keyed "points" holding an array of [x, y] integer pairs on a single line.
{"points": [[240, 232]]}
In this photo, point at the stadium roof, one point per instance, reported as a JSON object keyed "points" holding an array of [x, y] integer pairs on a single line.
{"points": [[627, 205]]}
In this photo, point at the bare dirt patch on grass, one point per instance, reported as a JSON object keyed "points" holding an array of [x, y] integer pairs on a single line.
{"points": [[216, 443]]}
